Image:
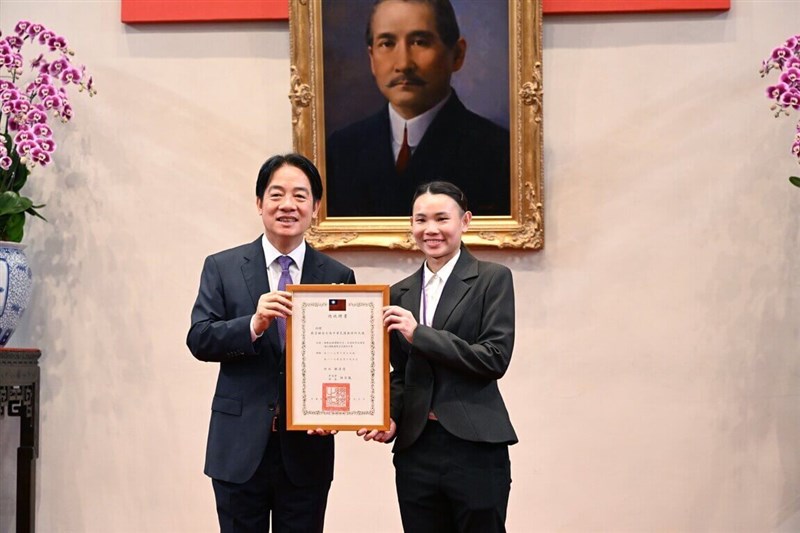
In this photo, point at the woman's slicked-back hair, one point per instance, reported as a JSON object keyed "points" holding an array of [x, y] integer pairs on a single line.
{"points": [[295, 160], [442, 187]]}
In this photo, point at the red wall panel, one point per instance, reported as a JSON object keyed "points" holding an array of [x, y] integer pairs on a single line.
{"points": [[231, 10], [203, 10]]}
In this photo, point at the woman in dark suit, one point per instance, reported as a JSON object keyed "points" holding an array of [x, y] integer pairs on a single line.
{"points": [[452, 334]]}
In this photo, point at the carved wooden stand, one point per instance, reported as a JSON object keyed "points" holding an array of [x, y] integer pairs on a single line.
{"points": [[19, 396]]}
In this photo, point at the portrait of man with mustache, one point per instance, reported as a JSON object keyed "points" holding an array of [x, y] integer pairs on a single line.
{"points": [[424, 132]]}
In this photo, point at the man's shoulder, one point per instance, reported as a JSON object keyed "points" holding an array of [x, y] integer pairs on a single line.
{"points": [[242, 250], [482, 123], [327, 261], [333, 263], [358, 129], [473, 122]]}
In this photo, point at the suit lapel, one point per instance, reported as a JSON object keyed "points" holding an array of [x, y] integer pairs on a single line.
{"points": [[410, 300], [411, 297], [254, 270], [382, 145], [394, 190], [312, 266], [456, 288], [438, 144]]}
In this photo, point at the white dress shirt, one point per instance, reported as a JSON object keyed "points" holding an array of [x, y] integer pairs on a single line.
{"points": [[432, 286]]}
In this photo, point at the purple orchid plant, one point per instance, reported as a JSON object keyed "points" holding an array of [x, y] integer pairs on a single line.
{"points": [[786, 92], [26, 106]]}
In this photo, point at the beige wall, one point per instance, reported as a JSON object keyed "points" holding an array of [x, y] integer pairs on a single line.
{"points": [[655, 381]]}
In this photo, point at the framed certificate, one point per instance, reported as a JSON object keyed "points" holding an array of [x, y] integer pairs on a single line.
{"points": [[337, 358]]}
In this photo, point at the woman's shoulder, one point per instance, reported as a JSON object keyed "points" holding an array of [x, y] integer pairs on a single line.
{"points": [[483, 267], [491, 269]]}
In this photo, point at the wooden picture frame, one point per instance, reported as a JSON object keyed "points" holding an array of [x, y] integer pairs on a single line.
{"points": [[522, 227], [337, 358]]}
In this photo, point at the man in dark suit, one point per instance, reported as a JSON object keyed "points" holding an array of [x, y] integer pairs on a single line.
{"points": [[373, 166], [257, 467]]}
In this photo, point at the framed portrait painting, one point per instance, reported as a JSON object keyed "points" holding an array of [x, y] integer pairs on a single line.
{"points": [[379, 118]]}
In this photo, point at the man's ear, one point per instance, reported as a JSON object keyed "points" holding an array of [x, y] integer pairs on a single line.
{"points": [[259, 203], [459, 53], [371, 66], [315, 211]]}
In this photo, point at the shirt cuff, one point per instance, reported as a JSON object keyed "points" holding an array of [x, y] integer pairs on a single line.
{"points": [[253, 336]]}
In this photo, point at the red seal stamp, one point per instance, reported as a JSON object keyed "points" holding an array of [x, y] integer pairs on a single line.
{"points": [[335, 396]]}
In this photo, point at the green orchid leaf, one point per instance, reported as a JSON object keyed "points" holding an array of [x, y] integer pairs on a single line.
{"points": [[12, 203], [794, 180], [33, 211], [20, 178], [9, 203], [25, 203], [3, 222], [14, 227]]}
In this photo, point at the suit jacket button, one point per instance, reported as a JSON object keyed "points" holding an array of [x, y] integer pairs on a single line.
{"points": [[272, 407]]}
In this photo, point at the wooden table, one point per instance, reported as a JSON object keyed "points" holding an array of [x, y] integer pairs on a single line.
{"points": [[19, 396]]}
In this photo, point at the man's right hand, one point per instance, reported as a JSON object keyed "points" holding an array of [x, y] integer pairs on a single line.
{"points": [[271, 305]]}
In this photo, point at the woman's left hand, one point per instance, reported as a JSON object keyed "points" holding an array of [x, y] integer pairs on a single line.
{"points": [[377, 435], [395, 318]]}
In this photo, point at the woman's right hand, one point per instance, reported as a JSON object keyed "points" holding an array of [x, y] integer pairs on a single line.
{"points": [[396, 318]]}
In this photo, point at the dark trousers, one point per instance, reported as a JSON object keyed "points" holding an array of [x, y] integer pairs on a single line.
{"points": [[448, 484], [246, 507]]}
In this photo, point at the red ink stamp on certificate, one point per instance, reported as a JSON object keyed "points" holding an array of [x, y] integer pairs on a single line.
{"points": [[335, 396]]}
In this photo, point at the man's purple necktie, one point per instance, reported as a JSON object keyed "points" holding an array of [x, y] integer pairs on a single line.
{"points": [[284, 261]]}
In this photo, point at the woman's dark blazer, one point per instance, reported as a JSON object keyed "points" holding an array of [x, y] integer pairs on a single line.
{"points": [[452, 367]]}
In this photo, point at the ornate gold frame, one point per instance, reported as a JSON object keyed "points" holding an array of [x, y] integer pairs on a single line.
{"points": [[524, 228]]}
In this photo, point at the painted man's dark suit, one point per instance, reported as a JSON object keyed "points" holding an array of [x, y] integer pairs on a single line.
{"points": [[251, 382], [451, 369], [459, 146]]}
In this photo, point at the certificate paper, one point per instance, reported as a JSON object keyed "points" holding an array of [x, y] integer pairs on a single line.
{"points": [[337, 358]]}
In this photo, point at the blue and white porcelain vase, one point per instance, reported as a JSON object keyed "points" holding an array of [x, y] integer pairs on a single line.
{"points": [[15, 287]]}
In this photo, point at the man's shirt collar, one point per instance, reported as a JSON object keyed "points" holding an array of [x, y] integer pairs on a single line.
{"points": [[271, 253], [417, 126]]}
